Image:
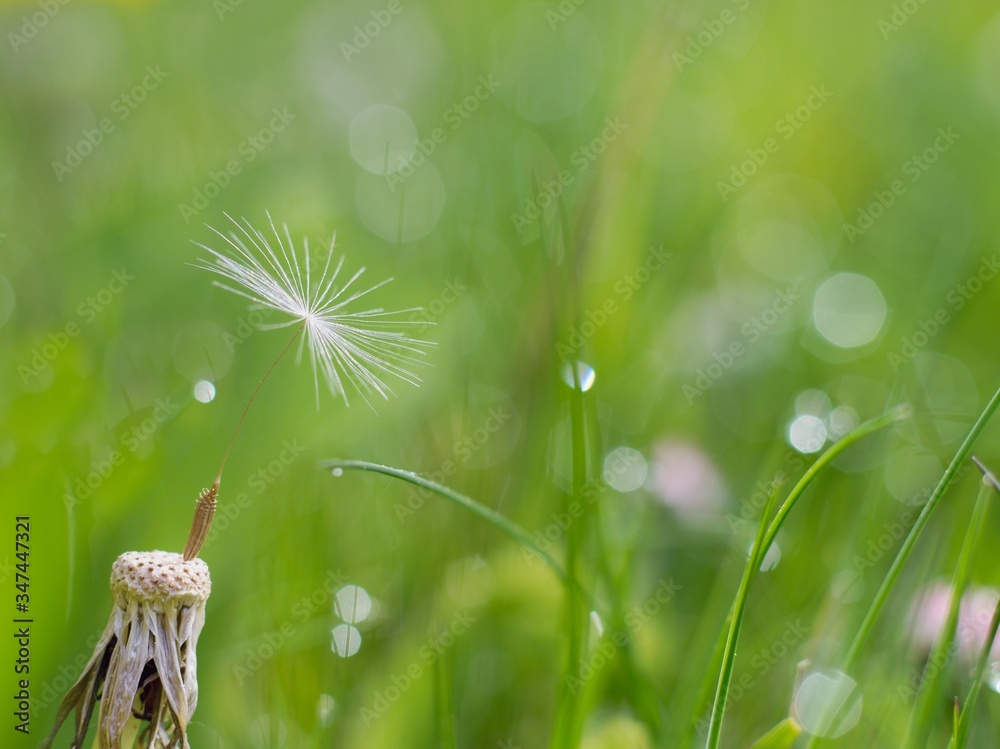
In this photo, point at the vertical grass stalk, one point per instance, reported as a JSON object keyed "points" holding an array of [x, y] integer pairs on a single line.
{"points": [[739, 606], [878, 602], [730, 636], [940, 661], [961, 735]]}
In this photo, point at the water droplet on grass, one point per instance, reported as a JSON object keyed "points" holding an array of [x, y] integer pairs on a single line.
{"points": [[584, 372]]}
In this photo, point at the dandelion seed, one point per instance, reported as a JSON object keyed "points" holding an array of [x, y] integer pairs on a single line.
{"points": [[364, 348], [144, 669]]}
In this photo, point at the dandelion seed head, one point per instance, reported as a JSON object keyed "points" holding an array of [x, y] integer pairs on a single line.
{"points": [[361, 348], [144, 668]]}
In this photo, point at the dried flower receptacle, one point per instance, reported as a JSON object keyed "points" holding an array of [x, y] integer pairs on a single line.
{"points": [[145, 660]]}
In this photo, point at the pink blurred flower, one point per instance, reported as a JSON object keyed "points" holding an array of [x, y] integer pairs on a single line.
{"points": [[685, 478], [974, 615]]}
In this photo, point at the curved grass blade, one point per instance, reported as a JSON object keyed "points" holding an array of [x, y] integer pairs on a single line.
{"points": [[739, 606], [941, 659], [965, 719], [882, 595], [782, 736], [763, 543], [961, 731], [858, 433], [491, 516], [868, 624]]}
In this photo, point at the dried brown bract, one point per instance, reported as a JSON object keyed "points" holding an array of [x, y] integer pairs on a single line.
{"points": [[144, 666]]}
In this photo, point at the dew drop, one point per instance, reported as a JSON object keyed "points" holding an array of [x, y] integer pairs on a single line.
{"points": [[584, 373]]}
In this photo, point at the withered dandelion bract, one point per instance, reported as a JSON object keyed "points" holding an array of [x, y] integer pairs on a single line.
{"points": [[143, 672], [144, 666]]}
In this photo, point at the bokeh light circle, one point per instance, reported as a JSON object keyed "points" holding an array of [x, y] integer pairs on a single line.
{"points": [[807, 434], [546, 73], [405, 210], [204, 391], [625, 469], [352, 604], [828, 703], [849, 310], [345, 640], [268, 733], [382, 139]]}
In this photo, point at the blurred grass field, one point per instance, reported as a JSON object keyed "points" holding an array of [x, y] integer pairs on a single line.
{"points": [[740, 228]]}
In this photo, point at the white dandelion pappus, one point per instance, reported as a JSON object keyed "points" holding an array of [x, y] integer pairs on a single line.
{"points": [[362, 348]]}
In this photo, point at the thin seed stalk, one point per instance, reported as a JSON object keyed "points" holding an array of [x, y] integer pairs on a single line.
{"points": [[204, 509]]}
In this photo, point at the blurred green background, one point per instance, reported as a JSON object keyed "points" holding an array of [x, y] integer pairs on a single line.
{"points": [[749, 224]]}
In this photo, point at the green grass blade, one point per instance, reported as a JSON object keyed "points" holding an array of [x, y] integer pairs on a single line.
{"points": [[736, 623], [491, 516], [961, 727], [726, 636], [939, 663], [782, 736], [858, 433], [962, 731], [868, 624], [444, 706], [569, 713]]}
